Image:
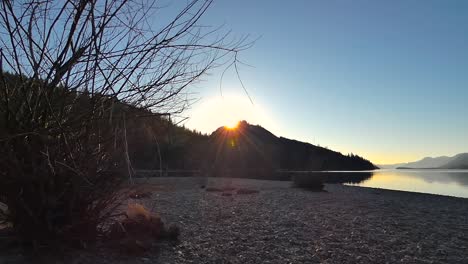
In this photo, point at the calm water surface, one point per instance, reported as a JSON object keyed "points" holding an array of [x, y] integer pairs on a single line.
{"points": [[444, 182]]}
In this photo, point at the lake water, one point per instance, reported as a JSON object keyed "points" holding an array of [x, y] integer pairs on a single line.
{"points": [[444, 182]]}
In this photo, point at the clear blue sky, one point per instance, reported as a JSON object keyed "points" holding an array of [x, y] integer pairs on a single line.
{"points": [[384, 79]]}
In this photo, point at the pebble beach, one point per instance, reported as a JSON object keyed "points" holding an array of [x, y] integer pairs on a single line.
{"points": [[274, 222]]}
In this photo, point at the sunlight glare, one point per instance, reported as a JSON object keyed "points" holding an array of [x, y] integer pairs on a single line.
{"points": [[228, 111], [232, 125]]}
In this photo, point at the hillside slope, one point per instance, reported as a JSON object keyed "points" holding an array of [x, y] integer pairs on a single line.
{"points": [[252, 147]]}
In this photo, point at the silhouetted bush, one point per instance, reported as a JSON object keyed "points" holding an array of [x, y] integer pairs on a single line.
{"points": [[313, 181], [348, 177], [82, 74], [61, 182]]}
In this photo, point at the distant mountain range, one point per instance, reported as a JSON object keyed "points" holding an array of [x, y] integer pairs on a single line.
{"points": [[459, 161]]}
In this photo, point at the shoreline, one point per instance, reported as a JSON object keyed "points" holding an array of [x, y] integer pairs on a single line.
{"points": [[289, 180], [405, 192]]}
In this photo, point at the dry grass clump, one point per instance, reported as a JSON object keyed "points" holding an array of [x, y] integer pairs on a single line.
{"points": [[139, 229]]}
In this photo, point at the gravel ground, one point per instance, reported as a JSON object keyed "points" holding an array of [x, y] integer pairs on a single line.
{"points": [[282, 224]]}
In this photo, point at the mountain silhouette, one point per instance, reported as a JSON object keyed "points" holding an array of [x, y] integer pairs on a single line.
{"points": [[459, 161], [251, 149], [427, 162]]}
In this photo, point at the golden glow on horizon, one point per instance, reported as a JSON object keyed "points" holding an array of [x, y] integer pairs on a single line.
{"points": [[390, 158]]}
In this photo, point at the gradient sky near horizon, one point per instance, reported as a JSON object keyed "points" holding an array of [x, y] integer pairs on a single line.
{"points": [[387, 80]]}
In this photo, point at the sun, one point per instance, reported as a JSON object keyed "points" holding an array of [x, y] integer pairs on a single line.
{"points": [[232, 125]]}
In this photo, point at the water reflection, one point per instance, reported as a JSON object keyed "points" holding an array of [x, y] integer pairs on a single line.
{"points": [[458, 177], [353, 177], [444, 182]]}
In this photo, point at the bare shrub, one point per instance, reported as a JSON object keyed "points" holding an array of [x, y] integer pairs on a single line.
{"points": [[73, 76], [139, 228]]}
